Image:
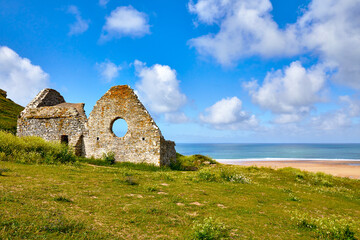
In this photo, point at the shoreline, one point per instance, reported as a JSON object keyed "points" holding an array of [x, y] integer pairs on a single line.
{"points": [[339, 168], [286, 159]]}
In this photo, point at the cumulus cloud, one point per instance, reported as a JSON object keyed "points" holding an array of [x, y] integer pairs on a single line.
{"points": [[291, 92], [103, 3], [125, 21], [332, 29], [108, 70], [21, 79], [228, 114], [80, 25], [352, 107], [176, 117], [339, 119], [159, 89], [331, 121], [328, 28], [246, 29]]}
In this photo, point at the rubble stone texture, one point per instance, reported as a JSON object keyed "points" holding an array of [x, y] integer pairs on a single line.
{"points": [[51, 118]]}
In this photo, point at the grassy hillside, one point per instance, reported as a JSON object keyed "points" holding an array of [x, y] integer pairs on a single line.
{"points": [[8, 113], [91, 199]]}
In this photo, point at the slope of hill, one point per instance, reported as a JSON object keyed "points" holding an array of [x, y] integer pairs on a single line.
{"points": [[8, 113], [41, 198]]}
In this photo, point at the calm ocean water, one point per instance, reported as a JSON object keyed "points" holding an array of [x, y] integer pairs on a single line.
{"points": [[272, 151]]}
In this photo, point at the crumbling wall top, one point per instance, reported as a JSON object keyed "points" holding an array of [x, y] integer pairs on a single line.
{"points": [[46, 98], [64, 110]]}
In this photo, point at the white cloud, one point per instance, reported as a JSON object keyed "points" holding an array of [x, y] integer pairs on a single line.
{"points": [[246, 29], [108, 70], [177, 117], [228, 114], [331, 121], [103, 3], [159, 88], [125, 21], [352, 107], [339, 119], [291, 93], [19, 77], [80, 25], [332, 29], [328, 28]]}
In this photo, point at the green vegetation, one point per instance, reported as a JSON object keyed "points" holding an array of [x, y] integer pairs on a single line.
{"points": [[8, 114], [191, 163], [109, 158], [210, 230], [326, 228], [48, 193], [32, 150]]}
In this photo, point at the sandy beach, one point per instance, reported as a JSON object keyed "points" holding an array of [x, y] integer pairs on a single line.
{"points": [[349, 169]]}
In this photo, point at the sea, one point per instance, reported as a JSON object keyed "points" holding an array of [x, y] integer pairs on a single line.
{"points": [[233, 152]]}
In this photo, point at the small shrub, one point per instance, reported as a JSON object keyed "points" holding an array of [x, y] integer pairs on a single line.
{"points": [[326, 228], [62, 199], [293, 198], [190, 163], [206, 175], [300, 175], [109, 158], [2, 156], [287, 190], [129, 180], [293, 172], [253, 169], [152, 189], [321, 179], [3, 170], [233, 177], [210, 229]]}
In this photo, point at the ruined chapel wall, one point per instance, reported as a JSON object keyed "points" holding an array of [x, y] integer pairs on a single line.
{"points": [[46, 97], [50, 117], [167, 152], [141, 143], [51, 123]]}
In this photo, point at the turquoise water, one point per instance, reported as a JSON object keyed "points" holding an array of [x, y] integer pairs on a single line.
{"points": [[272, 151]]}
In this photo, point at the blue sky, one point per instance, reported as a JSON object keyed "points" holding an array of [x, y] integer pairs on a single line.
{"points": [[207, 70]]}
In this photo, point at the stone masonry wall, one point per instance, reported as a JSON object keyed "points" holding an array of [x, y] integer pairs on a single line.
{"points": [[142, 141], [46, 97], [167, 152], [52, 122], [50, 117]]}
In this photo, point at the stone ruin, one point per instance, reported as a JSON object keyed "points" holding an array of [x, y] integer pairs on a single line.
{"points": [[50, 117]]}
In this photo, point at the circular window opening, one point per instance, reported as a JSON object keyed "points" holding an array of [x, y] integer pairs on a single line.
{"points": [[119, 127]]}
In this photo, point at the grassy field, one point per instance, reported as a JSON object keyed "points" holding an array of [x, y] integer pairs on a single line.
{"points": [[8, 114], [91, 199]]}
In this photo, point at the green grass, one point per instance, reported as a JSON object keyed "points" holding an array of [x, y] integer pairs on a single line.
{"points": [[8, 114], [93, 199], [33, 150], [191, 163]]}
